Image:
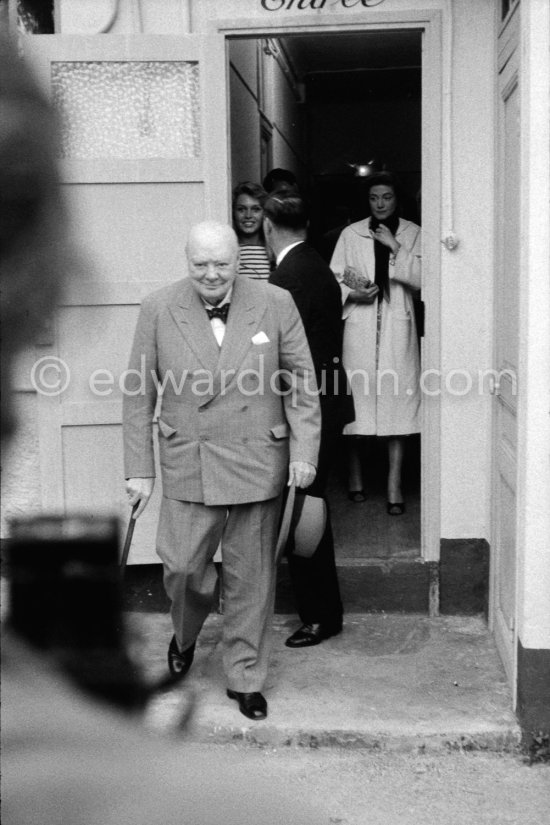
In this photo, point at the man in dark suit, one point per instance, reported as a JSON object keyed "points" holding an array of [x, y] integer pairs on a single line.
{"points": [[218, 344], [302, 271]]}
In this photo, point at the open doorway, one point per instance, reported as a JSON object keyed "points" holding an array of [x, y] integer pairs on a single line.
{"points": [[326, 106]]}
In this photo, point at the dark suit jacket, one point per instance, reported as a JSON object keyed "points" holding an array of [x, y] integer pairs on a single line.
{"points": [[318, 297]]}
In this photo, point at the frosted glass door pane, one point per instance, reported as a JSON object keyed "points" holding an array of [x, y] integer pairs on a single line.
{"points": [[131, 110]]}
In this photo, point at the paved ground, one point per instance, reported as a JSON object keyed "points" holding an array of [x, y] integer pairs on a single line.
{"points": [[401, 720], [387, 683], [357, 787]]}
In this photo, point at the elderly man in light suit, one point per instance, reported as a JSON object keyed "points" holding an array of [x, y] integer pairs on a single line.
{"points": [[239, 418]]}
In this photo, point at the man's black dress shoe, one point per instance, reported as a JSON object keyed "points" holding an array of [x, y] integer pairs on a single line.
{"points": [[252, 705], [179, 663], [311, 634]]}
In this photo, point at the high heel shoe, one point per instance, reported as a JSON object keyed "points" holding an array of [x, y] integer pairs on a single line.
{"points": [[357, 496]]}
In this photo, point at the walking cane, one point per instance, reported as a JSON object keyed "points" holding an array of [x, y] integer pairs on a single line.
{"points": [[128, 539], [166, 683], [286, 519]]}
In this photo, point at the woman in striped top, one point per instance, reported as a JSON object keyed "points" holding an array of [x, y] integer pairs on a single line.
{"points": [[248, 213]]}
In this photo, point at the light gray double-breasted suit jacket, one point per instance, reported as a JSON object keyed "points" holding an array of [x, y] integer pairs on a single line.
{"points": [[227, 427]]}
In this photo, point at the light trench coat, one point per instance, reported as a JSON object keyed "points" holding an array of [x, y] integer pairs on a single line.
{"points": [[386, 394]]}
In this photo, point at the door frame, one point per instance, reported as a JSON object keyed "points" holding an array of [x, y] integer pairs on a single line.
{"points": [[436, 151], [505, 456]]}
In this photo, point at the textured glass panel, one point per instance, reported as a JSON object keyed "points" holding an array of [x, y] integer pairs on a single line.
{"points": [[133, 110]]}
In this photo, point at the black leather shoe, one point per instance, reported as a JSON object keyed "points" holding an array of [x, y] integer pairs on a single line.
{"points": [[179, 663], [311, 634], [252, 705]]}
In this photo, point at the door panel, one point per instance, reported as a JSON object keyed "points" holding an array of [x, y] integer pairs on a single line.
{"points": [[115, 216], [144, 156]]}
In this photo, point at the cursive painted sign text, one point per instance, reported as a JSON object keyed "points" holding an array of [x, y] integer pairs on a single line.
{"points": [[287, 5]]}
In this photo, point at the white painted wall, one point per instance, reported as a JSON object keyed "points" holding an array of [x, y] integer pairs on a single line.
{"points": [[467, 272], [278, 14], [122, 16], [533, 527]]}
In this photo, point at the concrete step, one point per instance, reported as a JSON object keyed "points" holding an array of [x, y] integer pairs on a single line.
{"points": [[398, 582], [367, 585], [371, 585], [388, 682]]}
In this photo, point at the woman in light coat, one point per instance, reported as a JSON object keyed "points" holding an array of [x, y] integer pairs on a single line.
{"points": [[377, 262]]}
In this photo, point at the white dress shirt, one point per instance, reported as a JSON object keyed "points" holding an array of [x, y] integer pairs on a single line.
{"points": [[218, 326], [287, 249]]}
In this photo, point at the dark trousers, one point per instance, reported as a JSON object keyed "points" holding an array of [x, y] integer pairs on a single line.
{"points": [[315, 580]]}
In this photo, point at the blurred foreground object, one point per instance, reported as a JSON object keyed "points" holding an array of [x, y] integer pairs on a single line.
{"points": [[35, 253], [66, 601]]}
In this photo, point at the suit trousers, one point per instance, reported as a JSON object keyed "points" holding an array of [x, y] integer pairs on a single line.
{"points": [[187, 538], [315, 580]]}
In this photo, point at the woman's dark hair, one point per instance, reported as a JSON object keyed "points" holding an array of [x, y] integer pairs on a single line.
{"points": [[253, 190], [383, 179]]}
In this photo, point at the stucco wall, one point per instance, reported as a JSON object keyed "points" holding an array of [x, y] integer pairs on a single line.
{"points": [[124, 17]]}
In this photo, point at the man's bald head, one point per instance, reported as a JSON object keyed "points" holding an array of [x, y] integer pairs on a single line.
{"points": [[213, 256], [209, 231]]}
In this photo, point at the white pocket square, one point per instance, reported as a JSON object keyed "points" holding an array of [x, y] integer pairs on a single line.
{"points": [[260, 338]]}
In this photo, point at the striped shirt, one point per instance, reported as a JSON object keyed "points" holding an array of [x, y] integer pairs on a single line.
{"points": [[254, 262]]}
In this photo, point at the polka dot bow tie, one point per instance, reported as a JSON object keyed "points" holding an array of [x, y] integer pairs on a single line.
{"points": [[218, 312]]}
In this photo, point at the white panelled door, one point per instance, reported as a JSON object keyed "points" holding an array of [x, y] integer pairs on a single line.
{"points": [[144, 156]]}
